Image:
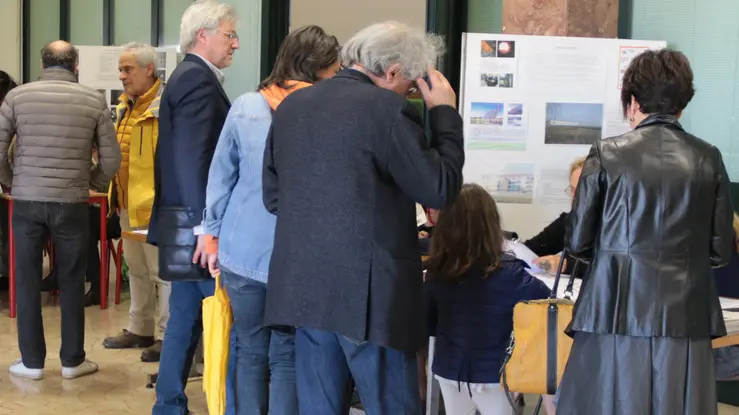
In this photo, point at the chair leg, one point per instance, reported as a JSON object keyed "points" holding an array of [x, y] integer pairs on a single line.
{"points": [[118, 271]]}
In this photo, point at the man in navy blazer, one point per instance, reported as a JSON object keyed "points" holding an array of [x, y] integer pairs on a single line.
{"points": [[192, 112]]}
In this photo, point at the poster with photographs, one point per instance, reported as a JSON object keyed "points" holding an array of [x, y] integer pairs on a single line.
{"points": [[98, 69], [530, 106], [498, 63]]}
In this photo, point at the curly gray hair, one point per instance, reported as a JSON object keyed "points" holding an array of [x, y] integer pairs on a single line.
{"points": [[382, 45]]}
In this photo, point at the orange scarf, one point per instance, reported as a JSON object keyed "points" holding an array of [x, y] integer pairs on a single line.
{"points": [[274, 95]]}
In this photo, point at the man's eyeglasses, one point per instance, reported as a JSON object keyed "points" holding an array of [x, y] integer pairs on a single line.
{"points": [[412, 89], [230, 35]]}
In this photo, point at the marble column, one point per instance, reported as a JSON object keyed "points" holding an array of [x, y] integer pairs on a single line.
{"points": [[579, 18]]}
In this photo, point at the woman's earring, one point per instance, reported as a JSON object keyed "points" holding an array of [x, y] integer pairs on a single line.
{"points": [[631, 119]]}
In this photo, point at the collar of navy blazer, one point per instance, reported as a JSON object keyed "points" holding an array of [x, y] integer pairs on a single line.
{"points": [[354, 74]]}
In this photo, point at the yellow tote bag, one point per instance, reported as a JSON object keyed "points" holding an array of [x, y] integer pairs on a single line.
{"points": [[217, 320], [539, 348]]}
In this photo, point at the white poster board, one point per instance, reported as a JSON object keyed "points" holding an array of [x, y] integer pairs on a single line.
{"points": [[98, 69], [531, 105]]}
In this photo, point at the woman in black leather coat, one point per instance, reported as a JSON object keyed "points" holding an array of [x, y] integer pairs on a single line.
{"points": [[652, 214]]}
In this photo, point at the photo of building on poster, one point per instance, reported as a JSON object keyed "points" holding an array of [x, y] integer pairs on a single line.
{"points": [[573, 123], [514, 183], [496, 126]]}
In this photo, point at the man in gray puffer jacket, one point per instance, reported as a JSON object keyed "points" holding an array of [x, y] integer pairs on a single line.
{"points": [[57, 123]]}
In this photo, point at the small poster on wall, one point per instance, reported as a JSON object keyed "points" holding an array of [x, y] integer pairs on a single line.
{"points": [[533, 104]]}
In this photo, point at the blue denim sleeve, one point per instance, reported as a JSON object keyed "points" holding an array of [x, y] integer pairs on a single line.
{"points": [[222, 176]]}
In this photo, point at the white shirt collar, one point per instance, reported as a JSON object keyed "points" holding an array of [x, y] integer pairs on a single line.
{"points": [[219, 73]]}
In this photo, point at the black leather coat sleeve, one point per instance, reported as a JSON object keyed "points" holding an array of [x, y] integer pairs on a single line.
{"points": [[722, 240], [583, 221]]}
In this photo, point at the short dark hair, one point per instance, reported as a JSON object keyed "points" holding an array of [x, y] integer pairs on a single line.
{"points": [[660, 81], [6, 84], [468, 235], [303, 53], [59, 54]]}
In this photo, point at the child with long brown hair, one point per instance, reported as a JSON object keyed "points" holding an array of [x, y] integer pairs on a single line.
{"points": [[472, 287]]}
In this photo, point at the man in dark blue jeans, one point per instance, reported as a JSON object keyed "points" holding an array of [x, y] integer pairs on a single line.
{"points": [[345, 162], [50, 176], [192, 110]]}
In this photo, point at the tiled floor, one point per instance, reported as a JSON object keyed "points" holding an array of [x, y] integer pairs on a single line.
{"points": [[119, 387]]}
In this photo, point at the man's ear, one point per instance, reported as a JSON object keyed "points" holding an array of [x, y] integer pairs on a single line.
{"points": [[392, 72]]}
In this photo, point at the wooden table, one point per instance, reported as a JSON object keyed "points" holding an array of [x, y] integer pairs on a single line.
{"points": [[731, 340], [96, 197], [133, 236]]}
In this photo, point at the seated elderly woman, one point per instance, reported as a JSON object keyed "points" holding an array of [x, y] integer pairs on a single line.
{"points": [[548, 243]]}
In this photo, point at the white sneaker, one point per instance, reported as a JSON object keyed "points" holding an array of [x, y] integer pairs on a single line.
{"points": [[20, 370], [85, 368]]}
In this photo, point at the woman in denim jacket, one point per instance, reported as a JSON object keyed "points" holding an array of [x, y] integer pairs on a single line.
{"points": [[242, 231]]}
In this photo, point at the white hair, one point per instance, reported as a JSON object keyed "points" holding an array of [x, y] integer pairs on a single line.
{"points": [[144, 53], [203, 14], [382, 45]]}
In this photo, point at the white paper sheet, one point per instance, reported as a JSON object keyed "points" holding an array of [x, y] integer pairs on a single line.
{"points": [[522, 252], [548, 279], [729, 303], [731, 319], [420, 215]]}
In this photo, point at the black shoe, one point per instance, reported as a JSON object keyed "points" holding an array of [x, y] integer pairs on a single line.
{"points": [[92, 298]]}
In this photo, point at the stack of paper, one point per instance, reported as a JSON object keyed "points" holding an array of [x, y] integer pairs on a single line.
{"points": [[729, 303], [731, 318]]}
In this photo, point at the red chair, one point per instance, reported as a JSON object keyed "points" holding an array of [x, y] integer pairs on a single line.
{"points": [[117, 254]]}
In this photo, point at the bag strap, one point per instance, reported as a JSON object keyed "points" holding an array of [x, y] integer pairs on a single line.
{"points": [[571, 283], [558, 275], [517, 410], [218, 281]]}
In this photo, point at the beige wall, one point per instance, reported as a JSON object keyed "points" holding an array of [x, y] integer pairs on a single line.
{"points": [[10, 38], [343, 18]]}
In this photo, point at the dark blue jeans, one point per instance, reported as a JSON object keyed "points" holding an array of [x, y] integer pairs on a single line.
{"points": [[265, 358], [67, 224], [386, 379], [184, 329]]}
